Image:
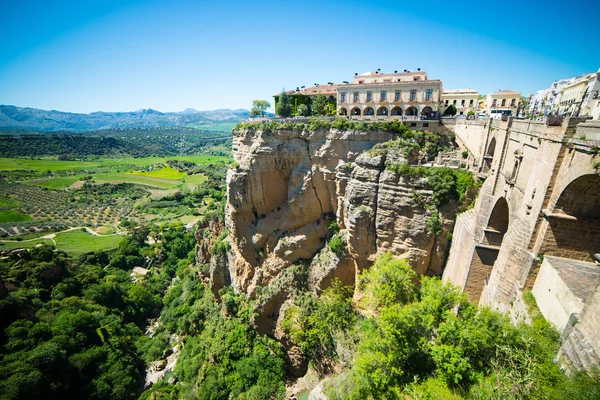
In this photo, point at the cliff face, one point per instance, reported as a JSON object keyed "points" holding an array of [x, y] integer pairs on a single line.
{"points": [[288, 187]]}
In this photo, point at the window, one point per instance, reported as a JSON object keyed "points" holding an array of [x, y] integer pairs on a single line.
{"points": [[462, 103], [343, 98], [494, 103], [413, 95], [397, 95], [428, 94], [503, 102], [355, 99], [446, 103], [471, 103], [383, 96], [369, 96], [454, 102], [512, 103]]}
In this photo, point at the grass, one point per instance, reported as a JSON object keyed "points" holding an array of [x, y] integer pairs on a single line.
{"points": [[53, 164], [55, 183], [24, 245], [73, 242], [78, 241], [140, 180], [164, 173], [191, 181], [13, 216]]}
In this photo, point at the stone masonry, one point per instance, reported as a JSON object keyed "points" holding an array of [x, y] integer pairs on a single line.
{"points": [[541, 196]]}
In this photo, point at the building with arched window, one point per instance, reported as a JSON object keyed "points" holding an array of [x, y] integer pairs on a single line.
{"points": [[399, 95]]}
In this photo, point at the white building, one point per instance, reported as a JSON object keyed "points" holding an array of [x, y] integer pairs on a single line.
{"points": [[404, 95]]}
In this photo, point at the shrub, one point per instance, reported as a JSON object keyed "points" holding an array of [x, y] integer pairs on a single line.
{"points": [[336, 244]]}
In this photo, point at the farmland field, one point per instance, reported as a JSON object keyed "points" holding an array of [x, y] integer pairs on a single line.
{"points": [[55, 183], [78, 241], [165, 173], [53, 164], [137, 179], [13, 216]]}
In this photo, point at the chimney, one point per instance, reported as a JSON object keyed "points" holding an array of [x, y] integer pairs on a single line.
{"points": [[356, 73], [418, 69], [395, 71]]}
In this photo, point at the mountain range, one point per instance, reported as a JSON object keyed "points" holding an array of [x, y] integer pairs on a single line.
{"points": [[13, 117]]}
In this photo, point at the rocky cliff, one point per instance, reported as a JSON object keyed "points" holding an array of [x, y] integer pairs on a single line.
{"points": [[285, 189], [288, 185]]}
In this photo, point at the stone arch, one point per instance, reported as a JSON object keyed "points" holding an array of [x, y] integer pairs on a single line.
{"points": [[343, 111], [396, 111], [412, 111], [426, 112], [382, 111], [574, 224], [369, 111], [486, 252], [355, 111], [488, 158], [497, 223]]}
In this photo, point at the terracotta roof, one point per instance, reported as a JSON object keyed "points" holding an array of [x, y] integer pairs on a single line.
{"points": [[314, 90]]}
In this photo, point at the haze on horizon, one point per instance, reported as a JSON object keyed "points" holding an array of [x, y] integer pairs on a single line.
{"points": [[128, 55]]}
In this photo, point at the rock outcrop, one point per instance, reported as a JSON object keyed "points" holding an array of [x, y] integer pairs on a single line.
{"points": [[288, 186], [283, 192]]}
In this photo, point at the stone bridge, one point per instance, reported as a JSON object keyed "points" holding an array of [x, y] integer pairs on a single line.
{"points": [[535, 226]]}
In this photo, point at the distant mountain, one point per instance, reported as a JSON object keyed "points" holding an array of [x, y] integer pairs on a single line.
{"points": [[12, 117]]}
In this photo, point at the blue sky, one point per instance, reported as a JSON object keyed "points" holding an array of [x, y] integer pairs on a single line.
{"points": [[84, 56]]}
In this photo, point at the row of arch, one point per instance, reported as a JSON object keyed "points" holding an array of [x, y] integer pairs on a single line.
{"points": [[579, 201], [383, 111]]}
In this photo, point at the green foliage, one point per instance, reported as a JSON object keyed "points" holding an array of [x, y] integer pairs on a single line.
{"points": [[318, 105], [389, 281], [259, 107], [337, 244], [302, 110], [451, 110], [464, 154], [434, 223], [427, 341], [72, 328], [284, 107], [470, 112], [223, 356], [314, 322]]}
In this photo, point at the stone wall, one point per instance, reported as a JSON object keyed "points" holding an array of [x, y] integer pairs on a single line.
{"points": [[547, 176]]}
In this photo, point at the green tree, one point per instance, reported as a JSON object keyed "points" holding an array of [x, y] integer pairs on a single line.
{"points": [[259, 107], [319, 104], [451, 110], [302, 110], [284, 106]]}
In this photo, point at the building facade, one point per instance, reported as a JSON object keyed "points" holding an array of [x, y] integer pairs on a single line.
{"points": [[502, 102], [579, 98], [405, 95], [464, 100]]}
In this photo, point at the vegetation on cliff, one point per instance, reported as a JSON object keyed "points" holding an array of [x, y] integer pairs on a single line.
{"points": [[315, 123], [73, 327], [416, 337]]}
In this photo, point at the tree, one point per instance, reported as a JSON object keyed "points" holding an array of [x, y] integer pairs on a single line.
{"points": [[302, 110], [451, 110], [259, 107], [319, 105], [284, 107]]}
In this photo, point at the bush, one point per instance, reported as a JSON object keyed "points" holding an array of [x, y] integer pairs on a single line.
{"points": [[336, 244]]}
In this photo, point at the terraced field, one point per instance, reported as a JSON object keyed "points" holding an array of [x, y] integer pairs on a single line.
{"points": [[53, 164]]}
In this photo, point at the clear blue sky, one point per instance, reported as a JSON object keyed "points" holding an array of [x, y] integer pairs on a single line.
{"points": [[90, 55]]}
